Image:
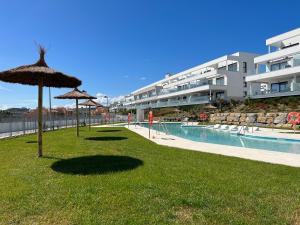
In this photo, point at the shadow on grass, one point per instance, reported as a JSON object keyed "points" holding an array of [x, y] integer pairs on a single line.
{"points": [[31, 142], [51, 157], [107, 138], [98, 164], [108, 131]]}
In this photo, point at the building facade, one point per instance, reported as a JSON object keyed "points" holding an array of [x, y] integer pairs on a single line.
{"points": [[222, 78], [237, 76], [277, 73]]}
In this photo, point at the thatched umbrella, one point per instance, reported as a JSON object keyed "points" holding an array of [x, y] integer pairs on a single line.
{"points": [[76, 94], [43, 76], [90, 103]]}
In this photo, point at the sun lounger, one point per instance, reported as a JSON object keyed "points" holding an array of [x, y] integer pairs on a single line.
{"points": [[217, 126], [224, 127], [239, 130], [233, 128]]}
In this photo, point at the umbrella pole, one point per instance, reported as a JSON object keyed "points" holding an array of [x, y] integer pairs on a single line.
{"points": [[40, 118], [90, 118], [77, 117]]}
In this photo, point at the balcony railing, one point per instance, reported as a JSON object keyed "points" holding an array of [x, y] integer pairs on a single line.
{"points": [[290, 89], [296, 63], [277, 54], [175, 102], [296, 86], [185, 87]]}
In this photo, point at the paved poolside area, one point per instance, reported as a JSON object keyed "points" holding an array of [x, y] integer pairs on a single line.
{"points": [[288, 159], [275, 133]]}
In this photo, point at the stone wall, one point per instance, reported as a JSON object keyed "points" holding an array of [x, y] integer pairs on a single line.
{"points": [[278, 120]]}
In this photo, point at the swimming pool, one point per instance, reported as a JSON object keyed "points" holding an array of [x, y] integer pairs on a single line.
{"points": [[203, 134]]}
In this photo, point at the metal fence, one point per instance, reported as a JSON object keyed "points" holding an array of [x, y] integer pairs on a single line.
{"points": [[11, 125]]}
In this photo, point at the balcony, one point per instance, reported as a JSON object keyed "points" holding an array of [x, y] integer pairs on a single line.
{"points": [[203, 85], [175, 102], [196, 76], [187, 89], [277, 55], [293, 89], [282, 73]]}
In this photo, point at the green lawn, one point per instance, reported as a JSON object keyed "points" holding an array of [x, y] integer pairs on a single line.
{"points": [[113, 176]]}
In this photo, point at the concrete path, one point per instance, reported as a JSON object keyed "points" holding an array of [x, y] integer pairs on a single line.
{"points": [[282, 158]]}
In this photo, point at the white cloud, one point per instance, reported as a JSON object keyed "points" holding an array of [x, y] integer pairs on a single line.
{"points": [[100, 99], [70, 106], [17, 105], [143, 78], [32, 103], [3, 107], [126, 76], [111, 99]]}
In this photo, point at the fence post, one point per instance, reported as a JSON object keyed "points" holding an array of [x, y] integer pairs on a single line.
{"points": [[10, 124], [24, 125], [66, 121], [35, 125]]}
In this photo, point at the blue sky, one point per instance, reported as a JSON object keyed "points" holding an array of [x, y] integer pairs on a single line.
{"points": [[115, 47]]}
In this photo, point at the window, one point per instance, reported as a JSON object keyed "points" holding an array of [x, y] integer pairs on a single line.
{"points": [[220, 95], [296, 60], [244, 67], [245, 93], [220, 81], [279, 66], [279, 87], [244, 80], [232, 67]]}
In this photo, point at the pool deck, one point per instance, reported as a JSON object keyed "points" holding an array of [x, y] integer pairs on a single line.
{"points": [[275, 133], [288, 159]]}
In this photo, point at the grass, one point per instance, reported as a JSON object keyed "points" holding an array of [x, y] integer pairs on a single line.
{"points": [[113, 176]]}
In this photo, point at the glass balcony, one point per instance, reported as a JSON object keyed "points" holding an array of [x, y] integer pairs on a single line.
{"points": [[293, 89], [291, 63], [176, 102], [184, 87]]}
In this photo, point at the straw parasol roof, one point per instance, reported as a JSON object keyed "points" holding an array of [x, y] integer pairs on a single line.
{"points": [[91, 103], [75, 94], [41, 75], [31, 74]]}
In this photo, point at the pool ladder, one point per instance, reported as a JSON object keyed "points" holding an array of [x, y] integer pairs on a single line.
{"points": [[162, 128], [242, 131]]}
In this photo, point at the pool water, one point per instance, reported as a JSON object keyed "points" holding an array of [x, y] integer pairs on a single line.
{"points": [[203, 134]]}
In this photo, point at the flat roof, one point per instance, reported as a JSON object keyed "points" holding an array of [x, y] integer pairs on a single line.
{"points": [[281, 37]]}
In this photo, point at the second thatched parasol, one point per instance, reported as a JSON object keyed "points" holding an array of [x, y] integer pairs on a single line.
{"points": [[41, 75], [76, 94], [90, 103]]}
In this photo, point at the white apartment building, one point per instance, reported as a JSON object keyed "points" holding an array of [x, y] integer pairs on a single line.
{"points": [[221, 78], [277, 72]]}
